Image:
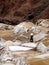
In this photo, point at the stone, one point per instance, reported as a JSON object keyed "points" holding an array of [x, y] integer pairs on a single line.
{"points": [[23, 27], [42, 48], [8, 43]]}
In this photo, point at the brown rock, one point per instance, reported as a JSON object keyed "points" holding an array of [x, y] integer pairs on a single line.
{"points": [[16, 11]]}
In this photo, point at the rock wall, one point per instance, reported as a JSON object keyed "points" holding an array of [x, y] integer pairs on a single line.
{"points": [[16, 11]]}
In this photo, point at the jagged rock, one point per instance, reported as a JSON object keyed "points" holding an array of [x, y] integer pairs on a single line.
{"points": [[42, 48], [23, 27], [44, 23]]}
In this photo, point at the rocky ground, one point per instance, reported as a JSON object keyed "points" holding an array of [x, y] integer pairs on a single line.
{"points": [[19, 35]]}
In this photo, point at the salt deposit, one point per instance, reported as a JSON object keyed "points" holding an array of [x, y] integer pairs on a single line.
{"points": [[32, 45], [8, 63], [35, 29], [39, 36], [17, 42], [15, 49], [42, 48], [19, 48], [21, 61], [8, 43], [23, 27], [19, 29]]}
